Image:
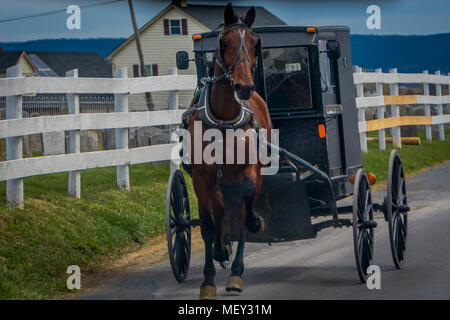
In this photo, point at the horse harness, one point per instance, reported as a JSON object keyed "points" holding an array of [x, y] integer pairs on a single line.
{"points": [[205, 113]]}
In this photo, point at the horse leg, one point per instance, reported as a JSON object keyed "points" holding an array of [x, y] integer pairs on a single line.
{"points": [[208, 288], [221, 253], [235, 282], [250, 188]]}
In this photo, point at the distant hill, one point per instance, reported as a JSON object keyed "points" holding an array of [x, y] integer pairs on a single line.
{"points": [[407, 53], [103, 46]]}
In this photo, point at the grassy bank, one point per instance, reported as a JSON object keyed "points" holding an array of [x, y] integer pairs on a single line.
{"points": [[53, 231]]}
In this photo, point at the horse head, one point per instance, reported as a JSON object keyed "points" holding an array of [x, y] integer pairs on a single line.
{"points": [[237, 51]]}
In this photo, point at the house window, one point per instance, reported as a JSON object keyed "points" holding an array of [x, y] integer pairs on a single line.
{"points": [[151, 69], [175, 26]]}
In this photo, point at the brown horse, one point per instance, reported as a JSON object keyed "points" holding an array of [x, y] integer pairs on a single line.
{"points": [[231, 88]]}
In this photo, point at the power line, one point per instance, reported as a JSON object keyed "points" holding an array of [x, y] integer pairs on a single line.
{"points": [[59, 11]]}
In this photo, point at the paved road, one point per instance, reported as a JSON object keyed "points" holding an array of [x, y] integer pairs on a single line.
{"points": [[324, 268]]}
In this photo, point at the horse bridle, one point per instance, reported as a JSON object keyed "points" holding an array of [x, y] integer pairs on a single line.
{"points": [[228, 71]]}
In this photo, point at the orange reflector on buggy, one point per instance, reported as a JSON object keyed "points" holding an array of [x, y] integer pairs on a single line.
{"points": [[372, 178], [352, 178], [322, 132], [196, 37]]}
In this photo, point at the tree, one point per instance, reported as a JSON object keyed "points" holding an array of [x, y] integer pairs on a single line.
{"points": [[148, 95]]}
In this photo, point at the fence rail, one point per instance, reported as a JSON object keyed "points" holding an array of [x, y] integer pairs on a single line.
{"points": [[15, 127], [396, 101], [35, 85], [57, 104]]}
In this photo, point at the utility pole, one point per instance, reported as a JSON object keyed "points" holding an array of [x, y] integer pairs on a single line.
{"points": [[148, 95]]}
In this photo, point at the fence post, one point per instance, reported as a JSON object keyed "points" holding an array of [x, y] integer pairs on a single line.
{"points": [[380, 114], [173, 105], [121, 105], [426, 92], [173, 94], [14, 187], [395, 112], [73, 103], [361, 112], [440, 110]]}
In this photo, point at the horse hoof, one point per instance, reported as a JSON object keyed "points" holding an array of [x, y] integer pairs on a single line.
{"points": [[258, 227], [235, 283], [208, 293]]}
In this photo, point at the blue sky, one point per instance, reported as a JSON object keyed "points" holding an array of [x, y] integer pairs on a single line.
{"points": [[113, 20]]}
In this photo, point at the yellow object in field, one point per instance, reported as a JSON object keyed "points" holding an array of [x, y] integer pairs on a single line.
{"points": [[405, 140]]}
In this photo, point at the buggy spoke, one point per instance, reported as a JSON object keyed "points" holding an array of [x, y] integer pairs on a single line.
{"points": [[368, 210], [402, 199], [366, 201], [175, 207], [188, 244], [399, 191]]}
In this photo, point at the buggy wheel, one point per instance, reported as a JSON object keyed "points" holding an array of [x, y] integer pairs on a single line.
{"points": [[397, 209], [178, 226], [363, 224]]}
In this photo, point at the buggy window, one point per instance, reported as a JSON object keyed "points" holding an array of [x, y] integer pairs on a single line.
{"points": [[286, 71]]}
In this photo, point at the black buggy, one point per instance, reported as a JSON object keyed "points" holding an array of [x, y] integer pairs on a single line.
{"points": [[305, 76]]}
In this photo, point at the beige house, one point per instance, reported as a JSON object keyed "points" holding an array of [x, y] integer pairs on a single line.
{"points": [[12, 58], [168, 32]]}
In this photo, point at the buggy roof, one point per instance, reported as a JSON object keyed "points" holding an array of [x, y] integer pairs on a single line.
{"points": [[277, 36]]}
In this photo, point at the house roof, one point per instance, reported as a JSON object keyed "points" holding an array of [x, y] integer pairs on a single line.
{"points": [[89, 64], [9, 59], [43, 70], [212, 15]]}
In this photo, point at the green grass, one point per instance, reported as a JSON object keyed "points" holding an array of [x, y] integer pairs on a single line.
{"points": [[55, 231], [413, 157]]}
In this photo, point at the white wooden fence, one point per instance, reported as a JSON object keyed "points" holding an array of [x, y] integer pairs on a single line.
{"points": [[396, 101], [51, 105], [15, 127]]}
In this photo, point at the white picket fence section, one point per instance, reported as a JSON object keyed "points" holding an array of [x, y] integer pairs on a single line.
{"points": [[397, 101], [15, 127]]}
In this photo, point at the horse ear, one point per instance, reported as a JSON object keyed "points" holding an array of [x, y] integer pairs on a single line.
{"points": [[228, 16], [250, 17]]}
